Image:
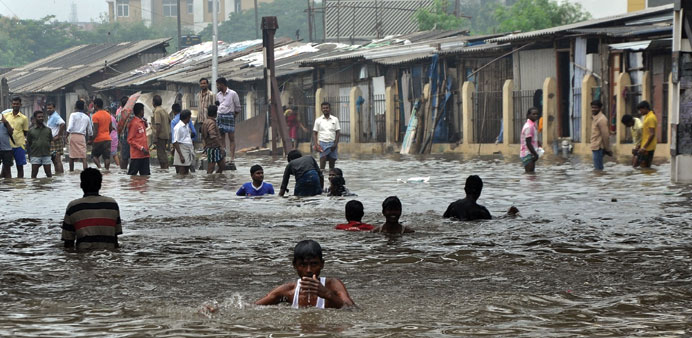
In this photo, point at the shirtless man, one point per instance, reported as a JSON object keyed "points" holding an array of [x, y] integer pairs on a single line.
{"points": [[310, 290]]}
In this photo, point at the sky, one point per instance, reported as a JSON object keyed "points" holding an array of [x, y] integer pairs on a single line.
{"points": [[88, 10]]}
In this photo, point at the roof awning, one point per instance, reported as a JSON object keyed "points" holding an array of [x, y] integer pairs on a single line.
{"points": [[637, 45]]}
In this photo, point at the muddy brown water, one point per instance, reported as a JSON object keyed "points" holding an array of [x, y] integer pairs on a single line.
{"points": [[605, 254]]}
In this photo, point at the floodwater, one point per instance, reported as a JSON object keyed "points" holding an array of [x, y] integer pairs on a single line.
{"points": [[590, 254]]}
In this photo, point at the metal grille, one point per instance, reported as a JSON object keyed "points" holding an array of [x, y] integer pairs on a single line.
{"points": [[576, 114], [523, 100], [487, 116], [341, 110], [377, 119]]}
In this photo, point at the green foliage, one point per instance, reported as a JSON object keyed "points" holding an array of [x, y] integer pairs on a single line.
{"points": [[438, 18], [291, 15], [481, 16], [529, 15]]}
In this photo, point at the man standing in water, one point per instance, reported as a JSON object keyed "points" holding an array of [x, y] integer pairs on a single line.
{"points": [[310, 290], [139, 146], [600, 135], [122, 134], [326, 134], [229, 107], [468, 209], [529, 142], [646, 151], [57, 127], [38, 139], [6, 156], [161, 131], [102, 142], [80, 130], [205, 98], [20, 125], [93, 221], [184, 149], [309, 178]]}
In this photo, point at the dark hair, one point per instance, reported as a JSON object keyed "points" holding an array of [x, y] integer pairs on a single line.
{"points": [[79, 105], [644, 104], [138, 108], [255, 168], [50, 103], [38, 112], [98, 103], [337, 171], [17, 98], [90, 180], [391, 203], [222, 80], [474, 185], [176, 108], [294, 154], [157, 100], [338, 183], [354, 211], [307, 249], [597, 103], [203, 79], [123, 100], [185, 114], [627, 119], [212, 110], [528, 112], [325, 103]]}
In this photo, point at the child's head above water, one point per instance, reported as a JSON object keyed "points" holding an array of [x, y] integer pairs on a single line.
{"points": [[354, 211], [391, 209], [257, 173], [307, 258]]}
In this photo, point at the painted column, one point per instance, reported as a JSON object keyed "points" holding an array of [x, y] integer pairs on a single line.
{"points": [[390, 110], [250, 110], [587, 84], [549, 112], [353, 95], [467, 90], [507, 113], [623, 82], [646, 88]]}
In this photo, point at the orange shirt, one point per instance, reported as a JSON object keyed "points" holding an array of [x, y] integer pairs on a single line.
{"points": [[104, 121]]}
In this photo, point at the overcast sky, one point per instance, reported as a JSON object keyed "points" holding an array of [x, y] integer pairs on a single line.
{"points": [[88, 10]]}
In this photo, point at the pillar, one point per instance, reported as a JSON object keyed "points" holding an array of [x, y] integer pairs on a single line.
{"points": [[646, 87], [320, 96], [623, 81], [467, 90], [354, 94], [250, 110], [508, 112], [549, 112], [390, 111], [587, 84]]}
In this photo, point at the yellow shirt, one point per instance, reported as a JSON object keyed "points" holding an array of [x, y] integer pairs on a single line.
{"points": [[21, 125], [650, 121], [637, 132]]}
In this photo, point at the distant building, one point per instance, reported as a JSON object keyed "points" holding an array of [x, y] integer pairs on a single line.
{"points": [[194, 14], [638, 5]]}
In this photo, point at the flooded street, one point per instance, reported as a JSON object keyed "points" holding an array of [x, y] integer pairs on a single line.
{"points": [[606, 254]]}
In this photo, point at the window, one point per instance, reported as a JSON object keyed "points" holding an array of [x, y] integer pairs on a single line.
{"points": [[170, 8], [122, 7], [238, 6], [190, 6], [210, 5]]}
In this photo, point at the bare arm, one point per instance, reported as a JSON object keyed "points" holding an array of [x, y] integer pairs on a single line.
{"points": [[652, 134], [317, 144], [336, 138], [334, 293], [529, 144], [277, 295]]}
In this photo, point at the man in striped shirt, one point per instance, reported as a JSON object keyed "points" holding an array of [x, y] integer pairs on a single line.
{"points": [[93, 221]]}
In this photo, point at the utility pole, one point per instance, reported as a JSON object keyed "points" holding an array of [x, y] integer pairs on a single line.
{"points": [[215, 45], [179, 32], [256, 22], [278, 121], [310, 20], [456, 8]]}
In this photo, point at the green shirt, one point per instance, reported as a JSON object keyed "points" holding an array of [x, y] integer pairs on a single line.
{"points": [[38, 140]]}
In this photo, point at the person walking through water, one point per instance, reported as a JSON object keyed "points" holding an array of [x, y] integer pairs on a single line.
{"points": [[139, 146], [326, 134], [102, 142], [20, 125], [648, 147], [529, 141], [38, 140], [600, 135], [80, 129], [229, 107], [309, 178], [122, 134], [184, 155], [161, 131], [57, 127]]}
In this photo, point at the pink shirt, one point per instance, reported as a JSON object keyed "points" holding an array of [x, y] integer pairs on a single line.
{"points": [[529, 130]]}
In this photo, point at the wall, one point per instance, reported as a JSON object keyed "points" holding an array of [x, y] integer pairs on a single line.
{"points": [[531, 67]]}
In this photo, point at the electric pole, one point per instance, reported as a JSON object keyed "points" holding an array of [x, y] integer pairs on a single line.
{"points": [[179, 32]]}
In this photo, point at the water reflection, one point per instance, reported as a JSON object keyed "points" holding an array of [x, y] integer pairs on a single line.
{"points": [[590, 253]]}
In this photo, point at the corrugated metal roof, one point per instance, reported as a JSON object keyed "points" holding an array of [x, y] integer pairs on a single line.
{"points": [[626, 31], [584, 24], [368, 19], [61, 69]]}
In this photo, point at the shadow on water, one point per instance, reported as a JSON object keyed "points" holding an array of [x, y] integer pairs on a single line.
{"points": [[589, 254]]}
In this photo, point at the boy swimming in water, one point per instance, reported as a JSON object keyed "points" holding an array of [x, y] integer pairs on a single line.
{"points": [[354, 215], [391, 210], [310, 290], [258, 186]]}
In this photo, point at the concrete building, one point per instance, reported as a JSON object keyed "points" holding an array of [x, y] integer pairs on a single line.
{"points": [[194, 14], [638, 5]]}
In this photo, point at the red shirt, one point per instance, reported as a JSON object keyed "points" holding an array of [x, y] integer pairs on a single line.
{"points": [[137, 138], [355, 226]]}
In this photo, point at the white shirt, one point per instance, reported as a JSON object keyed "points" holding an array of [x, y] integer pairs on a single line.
{"points": [[80, 123], [229, 102], [181, 133], [54, 122], [326, 128]]}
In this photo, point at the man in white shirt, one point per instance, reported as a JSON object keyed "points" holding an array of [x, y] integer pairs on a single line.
{"points": [[80, 129], [182, 142], [57, 127], [326, 134], [229, 107]]}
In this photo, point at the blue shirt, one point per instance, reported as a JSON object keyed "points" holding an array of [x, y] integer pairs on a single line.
{"points": [[249, 190], [175, 121], [5, 138]]}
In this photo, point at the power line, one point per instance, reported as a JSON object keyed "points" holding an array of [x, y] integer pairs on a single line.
{"points": [[9, 9]]}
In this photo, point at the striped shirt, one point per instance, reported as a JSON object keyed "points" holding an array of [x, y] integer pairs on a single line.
{"points": [[93, 221]]}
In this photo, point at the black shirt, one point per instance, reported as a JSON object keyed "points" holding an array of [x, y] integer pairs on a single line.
{"points": [[467, 210], [298, 167]]}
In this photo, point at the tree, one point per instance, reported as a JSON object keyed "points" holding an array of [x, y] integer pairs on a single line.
{"points": [[481, 16], [438, 18], [291, 15], [529, 15]]}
